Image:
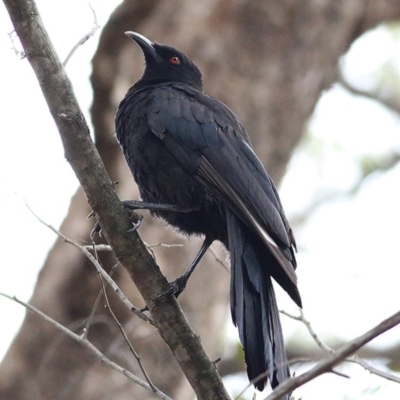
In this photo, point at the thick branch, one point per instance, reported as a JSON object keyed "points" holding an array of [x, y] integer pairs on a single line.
{"points": [[89, 169]]}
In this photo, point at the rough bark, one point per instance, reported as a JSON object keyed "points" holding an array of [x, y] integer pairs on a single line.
{"points": [[269, 61]]}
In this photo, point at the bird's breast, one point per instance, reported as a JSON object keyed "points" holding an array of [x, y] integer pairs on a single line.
{"points": [[162, 180]]}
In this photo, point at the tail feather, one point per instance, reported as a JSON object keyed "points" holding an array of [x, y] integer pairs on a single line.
{"points": [[253, 306]]}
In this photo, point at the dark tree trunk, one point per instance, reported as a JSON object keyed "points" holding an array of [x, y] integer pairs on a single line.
{"points": [[269, 61]]}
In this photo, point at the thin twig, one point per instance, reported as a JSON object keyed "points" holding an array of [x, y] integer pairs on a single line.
{"points": [[324, 347], [96, 304], [168, 246], [255, 380], [150, 247], [96, 26], [106, 247], [386, 375], [99, 269], [84, 342], [266, 373], [120, 327], [333, 359], [20, 54], [218, 260], [98, 247]]}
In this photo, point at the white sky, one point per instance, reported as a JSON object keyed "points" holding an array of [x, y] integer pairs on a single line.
{"points": [[348, 260]]}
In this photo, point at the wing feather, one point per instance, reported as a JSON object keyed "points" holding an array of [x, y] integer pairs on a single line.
{"points": [[239, 207], [206, 131]]}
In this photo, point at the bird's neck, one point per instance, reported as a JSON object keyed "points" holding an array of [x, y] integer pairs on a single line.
{"points": [[159, 82]]}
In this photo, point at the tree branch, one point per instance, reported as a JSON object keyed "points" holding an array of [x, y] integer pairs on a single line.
{"points": [[100, 270], [81, 42], [326, 365], [390, 377], [310, 329], [125, 336], [324, 347], [387, 98], [89, 169], [86, 343]]}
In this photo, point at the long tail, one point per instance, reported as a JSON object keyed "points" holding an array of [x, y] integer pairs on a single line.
{"points": [[253, 306]]}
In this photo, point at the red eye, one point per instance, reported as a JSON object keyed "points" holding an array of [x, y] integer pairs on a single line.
{"points": [[175, 60]]}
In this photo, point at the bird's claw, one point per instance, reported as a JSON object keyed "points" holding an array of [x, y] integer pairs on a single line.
{"points": [[175, 287], [135, 225], [96, 229]]}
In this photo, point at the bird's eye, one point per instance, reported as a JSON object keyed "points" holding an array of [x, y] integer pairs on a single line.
{"points": [[175, 60]]}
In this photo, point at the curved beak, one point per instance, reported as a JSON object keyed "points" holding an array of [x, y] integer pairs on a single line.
{"points": [[145, 44]]}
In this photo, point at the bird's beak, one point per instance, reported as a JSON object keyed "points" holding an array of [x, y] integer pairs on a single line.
{"points": [[145, 44]]}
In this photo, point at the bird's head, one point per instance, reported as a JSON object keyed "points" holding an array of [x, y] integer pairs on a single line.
{"points": [[165, 64]]}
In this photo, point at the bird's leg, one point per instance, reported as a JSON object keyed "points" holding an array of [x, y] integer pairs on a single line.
{"points": [[132, 205], [141, 205], [177, 286]]}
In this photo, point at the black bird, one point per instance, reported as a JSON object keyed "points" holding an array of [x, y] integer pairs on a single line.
{"points": [[195, 168]]}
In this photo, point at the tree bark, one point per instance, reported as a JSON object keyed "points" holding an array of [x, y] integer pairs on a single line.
{"points": [[269, 61]]}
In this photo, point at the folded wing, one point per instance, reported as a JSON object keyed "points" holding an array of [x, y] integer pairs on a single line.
{"points": [[209, 141]]}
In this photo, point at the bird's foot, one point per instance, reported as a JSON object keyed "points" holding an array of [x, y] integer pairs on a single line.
{"points": [[175, 287], [96, 230], [135, 218]]}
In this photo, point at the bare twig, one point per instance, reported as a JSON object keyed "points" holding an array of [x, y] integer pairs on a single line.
{"points": [[386, 375], [313, 334], [168, 246], [99, 269], [324, 347], [96, 26], [120, 327], [20, 54], [333, 359], [150, 247], [98, 247], [96, 304], [84, 342], [218, 260], [253, 381]]}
